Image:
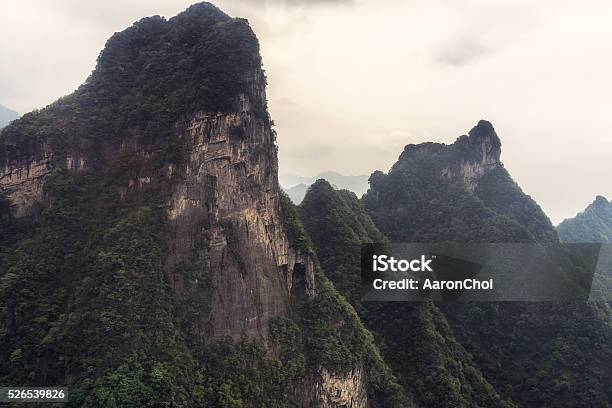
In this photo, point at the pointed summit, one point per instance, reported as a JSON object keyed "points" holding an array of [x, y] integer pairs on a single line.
{"points": [[483, 129], [481, 144], [484, 138], [469, 158]]}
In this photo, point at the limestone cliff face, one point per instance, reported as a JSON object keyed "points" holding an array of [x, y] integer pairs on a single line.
{"points": [[22, 180], [348, 391], [228, 197], [483, 149], [229, 186], [22, 183]]}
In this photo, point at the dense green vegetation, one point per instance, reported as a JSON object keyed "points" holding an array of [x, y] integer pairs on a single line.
{"points": [[416, 340], [338, 225], [501, 194], [334, 336], [541, 354], [409, 207], [84, 300], [594, 224], [533, 354]]}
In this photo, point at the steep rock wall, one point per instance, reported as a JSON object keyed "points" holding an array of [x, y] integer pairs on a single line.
{"points": [[22, 183], [230, 189]]}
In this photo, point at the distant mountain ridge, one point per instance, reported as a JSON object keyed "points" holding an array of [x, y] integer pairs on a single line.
{"points": [[297, 193], [296, 186], [594, 224], [7, 115]]}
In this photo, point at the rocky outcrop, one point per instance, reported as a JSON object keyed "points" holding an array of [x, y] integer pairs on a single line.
{"points": [[481, 150], [347, 391], [469, 158], [227, 195], [329, 390], [22, 184]]}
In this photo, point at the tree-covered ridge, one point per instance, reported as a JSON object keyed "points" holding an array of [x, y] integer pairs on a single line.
{"points": [[533, 354], [594, 224], [425, 197], [499, 192], [336, 218], [415, 338], [334, 336]]}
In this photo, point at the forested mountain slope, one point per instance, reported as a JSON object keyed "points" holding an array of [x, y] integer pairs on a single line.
{"points": [[524, 354], [535, 354], [147, 254], [415, 337]]}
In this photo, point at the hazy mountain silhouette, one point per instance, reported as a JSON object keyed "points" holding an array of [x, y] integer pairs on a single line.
{"points": [[7, 115]]}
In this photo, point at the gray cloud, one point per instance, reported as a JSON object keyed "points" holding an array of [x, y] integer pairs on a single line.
{"points": [[462, 51]]}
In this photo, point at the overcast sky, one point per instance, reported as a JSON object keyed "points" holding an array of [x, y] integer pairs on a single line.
{"points": [[352, 82]]}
